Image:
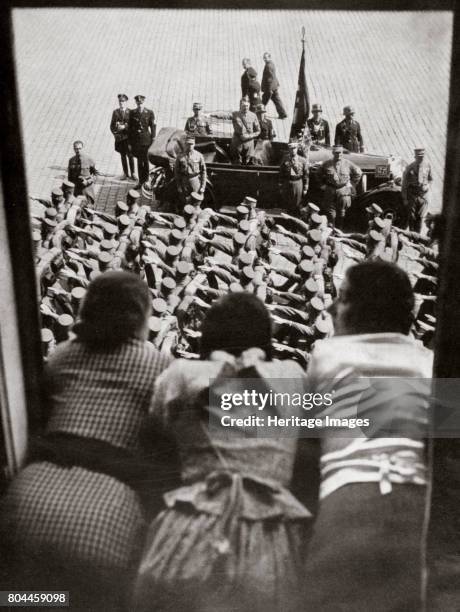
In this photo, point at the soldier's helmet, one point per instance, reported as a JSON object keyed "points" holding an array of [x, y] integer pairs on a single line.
{"points": [[348, 110], [317, 108], [197, 106], [139, 98], [122, 97]]}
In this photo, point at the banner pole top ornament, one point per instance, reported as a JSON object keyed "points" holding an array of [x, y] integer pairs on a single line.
{"points": [[303, 36]]}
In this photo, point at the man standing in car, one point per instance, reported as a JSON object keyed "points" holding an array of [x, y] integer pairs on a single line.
{"points": [[141, 132], [348, 132], [266, 126], [270, 86], [246, 129], [319, 127], [198, 125]]}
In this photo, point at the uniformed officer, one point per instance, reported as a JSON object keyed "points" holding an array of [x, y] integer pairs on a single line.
{"points": [[190, 172], [244, 77], [119, 128], [266, 126], [253, 89], [348, 132], [338, 177], [293, 179], [416, 183], [141, 132], [82, 172], [198, 125], [319, 127], [246, 129]]}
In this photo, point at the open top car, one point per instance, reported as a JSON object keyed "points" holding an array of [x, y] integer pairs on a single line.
{"points": [[228, 183]]}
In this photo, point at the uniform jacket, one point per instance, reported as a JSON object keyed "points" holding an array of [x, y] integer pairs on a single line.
{"points": [[254, 92], [198, 125], [416, 179], [339, 175], [121, 117], [244, 84], [141, 127], [269, 79], [295, 168], [189, 165], [348, 134], [81, 166], [319, 132], [266, 129], [244, 125]]}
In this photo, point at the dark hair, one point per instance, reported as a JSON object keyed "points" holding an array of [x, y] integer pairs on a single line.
{"points": [[438, 225], [114, 310], [235, 323], [380, 298]]}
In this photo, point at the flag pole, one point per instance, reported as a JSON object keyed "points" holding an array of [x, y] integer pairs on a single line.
{"points": [[302, 99]]}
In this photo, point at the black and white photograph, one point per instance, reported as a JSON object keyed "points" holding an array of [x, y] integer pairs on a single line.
{"points": [[229, 338]]}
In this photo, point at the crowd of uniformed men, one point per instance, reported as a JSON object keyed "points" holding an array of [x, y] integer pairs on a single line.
{"points": [[190, 257]]}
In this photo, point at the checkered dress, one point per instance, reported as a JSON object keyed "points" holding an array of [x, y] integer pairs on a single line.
{"points": [[89, 518]]}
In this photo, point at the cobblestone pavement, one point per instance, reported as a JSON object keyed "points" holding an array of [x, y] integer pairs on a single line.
{"points": [[393, 67]]}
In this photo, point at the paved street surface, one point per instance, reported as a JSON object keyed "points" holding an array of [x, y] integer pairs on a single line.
{"points": [[393, 67]]}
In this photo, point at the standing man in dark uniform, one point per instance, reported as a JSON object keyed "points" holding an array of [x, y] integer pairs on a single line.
{"points": [[119, 128], [198, 125], [82, 172], [318, 127], [339, 177], [416, 183], [270, 86], [190, 172], [266, 126], [348, 132], [253, 89], [141, 132], [245, 78], [293, 179]]}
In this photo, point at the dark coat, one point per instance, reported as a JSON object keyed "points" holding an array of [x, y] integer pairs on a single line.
{"points": [[254, 93], [244, 84], [269, 79], [349, 136], [319, 132], [141, 128], [79, 168], [121, 136]]}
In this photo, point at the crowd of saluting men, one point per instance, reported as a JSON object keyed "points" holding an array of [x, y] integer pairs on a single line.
{"points": [[245, 523]]}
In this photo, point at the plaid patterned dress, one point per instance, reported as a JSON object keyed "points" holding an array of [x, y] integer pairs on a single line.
{"points": [[74, 516]]}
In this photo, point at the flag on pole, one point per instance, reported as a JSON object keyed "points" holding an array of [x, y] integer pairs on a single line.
{"points": [[302, 99]]}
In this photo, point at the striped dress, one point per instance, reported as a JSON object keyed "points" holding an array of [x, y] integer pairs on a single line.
{"points": [[366, 549]]}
